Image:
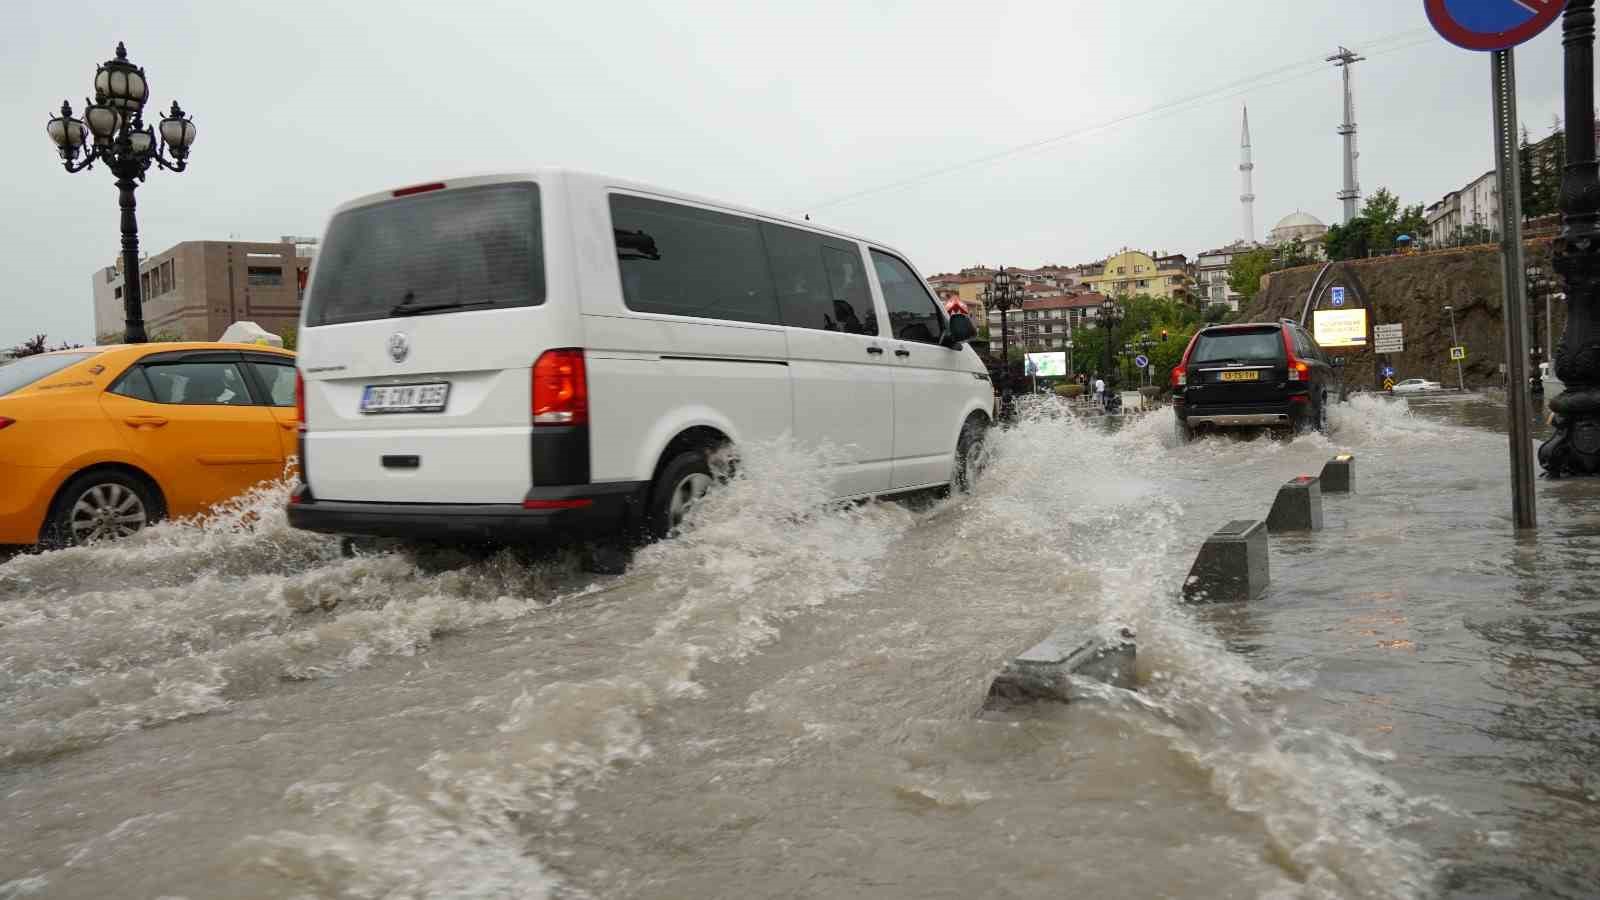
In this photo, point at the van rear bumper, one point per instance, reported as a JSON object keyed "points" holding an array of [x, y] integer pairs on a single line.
{"points": [[557, 513]]}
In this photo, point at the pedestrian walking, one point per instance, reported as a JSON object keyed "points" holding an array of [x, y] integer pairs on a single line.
{"points": [[1100, 392]]}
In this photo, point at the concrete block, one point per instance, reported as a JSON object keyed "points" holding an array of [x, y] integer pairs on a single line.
{"points": [[1298, 506], [1054, 668], [1339, 475], [1231, 566]]}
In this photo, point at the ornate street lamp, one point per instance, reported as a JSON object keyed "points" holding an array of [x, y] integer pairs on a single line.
{"points": [[1110, 317], [112, 131], [1003, 294], [1574, 448]]}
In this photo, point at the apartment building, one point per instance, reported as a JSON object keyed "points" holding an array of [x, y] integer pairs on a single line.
{"points": [[196, 289]]}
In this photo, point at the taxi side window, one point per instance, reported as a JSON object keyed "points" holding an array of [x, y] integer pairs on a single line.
{"points": [[278, 379], [133, 383], [198, 383]]}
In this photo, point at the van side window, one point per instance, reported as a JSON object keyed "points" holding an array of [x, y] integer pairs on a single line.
{"points": [[913, 314], [847, 283], [684, 261], [819, 284]]}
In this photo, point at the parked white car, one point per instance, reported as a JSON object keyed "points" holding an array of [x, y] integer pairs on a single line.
{"points": [[517, 358], [1417, 386]]}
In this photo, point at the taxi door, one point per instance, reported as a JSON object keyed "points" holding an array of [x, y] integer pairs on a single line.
{"points": [[274, 385], [191, 420]]}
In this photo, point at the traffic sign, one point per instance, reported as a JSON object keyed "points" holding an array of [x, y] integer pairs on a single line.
{"points": [[1337, 296], [1388, 384], [1388, 371], [1491, 24], [1141, 361], [1458, 353]]}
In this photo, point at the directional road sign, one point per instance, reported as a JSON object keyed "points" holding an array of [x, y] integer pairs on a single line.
{"points": [[1336, 296], [1388, 371], [1491, 24], [1141, 361], [1458, 353], [1388, 384]]}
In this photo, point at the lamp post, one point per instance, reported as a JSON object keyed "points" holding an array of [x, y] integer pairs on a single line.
{"points": [[1110, 316], [1461, 383], [1002, 294], [112, 131], [1574, 448]]}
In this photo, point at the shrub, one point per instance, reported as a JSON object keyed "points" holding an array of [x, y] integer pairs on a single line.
{"points": [[1069, 391]]}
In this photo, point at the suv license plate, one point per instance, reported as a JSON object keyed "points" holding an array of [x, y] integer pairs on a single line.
{"points": [[1241, 376], [405, 398]]}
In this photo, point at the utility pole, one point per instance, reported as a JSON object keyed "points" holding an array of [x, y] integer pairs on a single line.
{"points": [[1343, 60]]}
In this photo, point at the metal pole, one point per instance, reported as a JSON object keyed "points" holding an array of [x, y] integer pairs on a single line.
{"points": [[132, 292], [1461, 382], [1503, 72]]}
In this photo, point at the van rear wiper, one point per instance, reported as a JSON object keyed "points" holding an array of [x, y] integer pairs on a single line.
{"points": [[405, 309]]}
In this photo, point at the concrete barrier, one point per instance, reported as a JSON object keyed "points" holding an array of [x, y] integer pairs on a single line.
{"points": [[1339, 475], [1052, 669], [1231, 566], [1298, 506]]}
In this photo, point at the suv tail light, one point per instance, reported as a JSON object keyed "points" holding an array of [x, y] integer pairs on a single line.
{"points": [[560, 388], [1180, 372], [1298, 370]]}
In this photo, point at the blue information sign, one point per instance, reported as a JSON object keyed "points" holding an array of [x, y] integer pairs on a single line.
{"points": [[1491, 24], [1141, 361], [1388, 371], [1337, 296]]}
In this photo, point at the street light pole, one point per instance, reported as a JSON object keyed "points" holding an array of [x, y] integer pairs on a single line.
{"points": [[1574, 448], [1461, 383], [112, 131]]}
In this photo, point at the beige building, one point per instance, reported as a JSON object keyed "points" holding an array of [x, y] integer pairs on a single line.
{"points": [[196, 289], [1132, 272]]}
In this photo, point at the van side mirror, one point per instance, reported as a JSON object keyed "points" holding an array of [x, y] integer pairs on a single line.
{"points": [[958, 331]]}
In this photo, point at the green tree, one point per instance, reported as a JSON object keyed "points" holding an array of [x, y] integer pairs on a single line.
{"points": [[291, 337], [1526, 182], [39, 344], [1218, 312], [1244, 273]]}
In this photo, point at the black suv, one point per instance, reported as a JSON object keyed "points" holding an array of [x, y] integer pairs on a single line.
{"points": [[1262, 374]]}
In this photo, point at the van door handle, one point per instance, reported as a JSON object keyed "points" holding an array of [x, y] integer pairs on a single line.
{"points": [[902, 352], [144, 421], [875, 351]]}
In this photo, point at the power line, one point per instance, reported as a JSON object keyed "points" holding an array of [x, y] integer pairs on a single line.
{"points": [[1308, 66]]}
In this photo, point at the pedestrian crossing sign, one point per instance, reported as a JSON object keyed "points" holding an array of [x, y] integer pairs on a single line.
{"points": [[1458, 353]]}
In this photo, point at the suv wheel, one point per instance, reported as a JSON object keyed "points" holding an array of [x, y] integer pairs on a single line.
{"points": [[969, 455], [1184, 433]]}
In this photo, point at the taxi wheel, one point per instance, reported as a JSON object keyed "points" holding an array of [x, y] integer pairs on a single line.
{"points": [[101, 506]]}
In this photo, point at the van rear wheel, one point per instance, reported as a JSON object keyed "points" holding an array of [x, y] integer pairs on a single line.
{"points": [[677, 488]]}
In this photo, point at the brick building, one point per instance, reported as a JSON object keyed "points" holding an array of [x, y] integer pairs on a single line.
{"points": [[196, 289]]}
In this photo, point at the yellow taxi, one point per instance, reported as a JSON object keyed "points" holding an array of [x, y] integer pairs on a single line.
{"points": [[98, 442]]}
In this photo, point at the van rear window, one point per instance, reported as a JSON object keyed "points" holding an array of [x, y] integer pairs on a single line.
{"points": [[439, 252], [1264, 345]]}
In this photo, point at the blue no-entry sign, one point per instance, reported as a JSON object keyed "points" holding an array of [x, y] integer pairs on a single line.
{"points": [[1141, 361], [1337, 296], [1491, 24]]}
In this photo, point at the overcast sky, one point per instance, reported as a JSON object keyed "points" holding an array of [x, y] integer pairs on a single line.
{"points": [[780, 106]]}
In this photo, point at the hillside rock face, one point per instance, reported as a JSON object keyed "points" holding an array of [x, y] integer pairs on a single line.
{"points": [[1413, 290]]}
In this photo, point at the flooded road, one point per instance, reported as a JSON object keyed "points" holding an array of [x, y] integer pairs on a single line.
{"points": [[780, 703]]}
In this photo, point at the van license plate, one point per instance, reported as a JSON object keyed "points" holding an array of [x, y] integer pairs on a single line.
{"points": [[1241, 376], [405, 398]]}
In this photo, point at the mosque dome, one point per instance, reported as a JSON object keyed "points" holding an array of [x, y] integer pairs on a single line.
{"points": [[1297, 224]]}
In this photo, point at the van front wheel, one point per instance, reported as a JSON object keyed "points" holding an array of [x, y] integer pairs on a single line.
{"points": [[677, 488]]}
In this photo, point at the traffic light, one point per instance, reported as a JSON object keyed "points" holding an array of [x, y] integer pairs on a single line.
{"points": [[1163, 334]]}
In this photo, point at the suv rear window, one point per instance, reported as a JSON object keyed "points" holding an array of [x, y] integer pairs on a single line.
{"points": [[25, 371], [1262, 344], [438, 252]]}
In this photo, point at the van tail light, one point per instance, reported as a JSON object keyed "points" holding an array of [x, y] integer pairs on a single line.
{"points": [[300, 399], [1298, 370], [560, 388], [6, 423]]}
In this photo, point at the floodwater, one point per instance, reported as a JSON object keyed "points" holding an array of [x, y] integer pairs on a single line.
{"points": [[781, 702]]}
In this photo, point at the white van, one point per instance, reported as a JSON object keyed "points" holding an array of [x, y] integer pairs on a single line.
{"points": [[516, 358]]}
